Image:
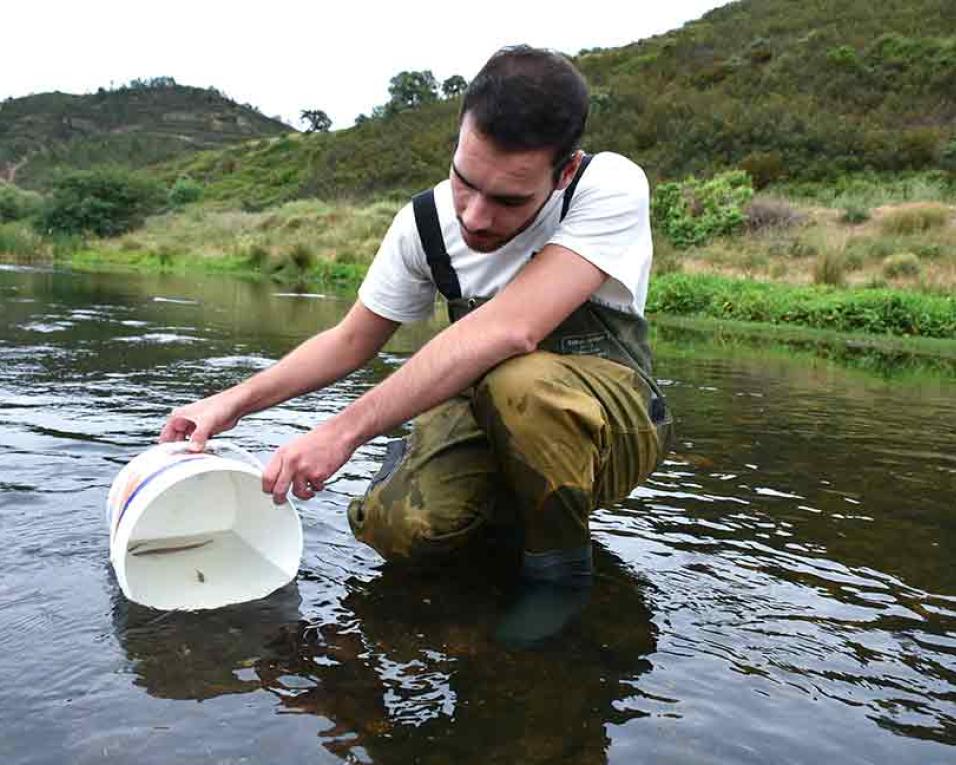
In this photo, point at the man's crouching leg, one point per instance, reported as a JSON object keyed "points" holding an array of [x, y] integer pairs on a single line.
{"points": [[435, 490], [569, 433]]}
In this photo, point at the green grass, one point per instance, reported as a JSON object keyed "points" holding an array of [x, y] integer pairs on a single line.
{"points": [[875, 311], [858, 192], [19, 241]]}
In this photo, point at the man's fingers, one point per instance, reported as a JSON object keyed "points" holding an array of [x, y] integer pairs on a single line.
{"points": [[197, 441], [302, 488], [271, 472], [281, 486], [176, 429]]}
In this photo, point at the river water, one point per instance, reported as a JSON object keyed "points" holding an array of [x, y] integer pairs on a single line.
{"points": [[783, 590]]}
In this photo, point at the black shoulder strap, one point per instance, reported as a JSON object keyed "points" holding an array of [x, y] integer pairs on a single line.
{"points": [[569, 191], [429, 231]]}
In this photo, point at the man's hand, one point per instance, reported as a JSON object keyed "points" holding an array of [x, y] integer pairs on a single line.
{"points": [[307, 462], [200, 421]]}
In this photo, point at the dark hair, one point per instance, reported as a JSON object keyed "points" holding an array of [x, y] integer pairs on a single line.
{"points": [[529, 98]]}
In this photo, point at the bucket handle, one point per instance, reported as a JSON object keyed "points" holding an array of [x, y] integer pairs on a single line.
{"points": [[224, 448]]}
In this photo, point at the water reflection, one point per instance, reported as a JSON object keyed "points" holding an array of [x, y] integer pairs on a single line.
{"points": [[407, 662], [200, 655]]}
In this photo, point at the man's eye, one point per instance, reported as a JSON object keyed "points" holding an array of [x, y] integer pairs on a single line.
{"points": [[511, 202]]}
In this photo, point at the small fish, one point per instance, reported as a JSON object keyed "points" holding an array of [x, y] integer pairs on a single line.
{"points": [[200, 576], [166, 550]]}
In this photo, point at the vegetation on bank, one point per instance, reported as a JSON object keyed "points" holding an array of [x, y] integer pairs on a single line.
{"points": [[873, 311], [133, 125], [802, 157], [791, 93], [311, 243]]}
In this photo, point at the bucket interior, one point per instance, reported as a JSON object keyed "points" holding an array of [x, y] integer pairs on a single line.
{"points": [[209, 540]]}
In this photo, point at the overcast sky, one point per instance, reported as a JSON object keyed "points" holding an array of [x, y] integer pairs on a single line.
{"points": [[284, 56]]}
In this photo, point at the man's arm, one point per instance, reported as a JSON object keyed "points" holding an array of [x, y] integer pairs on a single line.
{"points": [[546, 291], [319, 361]]}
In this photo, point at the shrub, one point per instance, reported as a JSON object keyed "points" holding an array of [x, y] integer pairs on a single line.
{"points": [[301, 257], [764, 167], [902, 264], [105, 202], [294, 263], [930, 251], [165, 255], [184, 191], [694, 211], [829, 268], [855, 213], [947, 156], [763, 213], [18, 240], [256, 256], [64, 245], [17, 204], [914, 219]]}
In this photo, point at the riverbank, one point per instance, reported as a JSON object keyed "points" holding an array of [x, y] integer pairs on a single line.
{"points": [[802, 266]]}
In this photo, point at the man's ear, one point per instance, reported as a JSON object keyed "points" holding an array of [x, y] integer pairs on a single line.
{"points": [[570, 170]]}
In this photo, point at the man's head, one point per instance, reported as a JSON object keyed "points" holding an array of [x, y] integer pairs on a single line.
{"points": [[521, 121]]}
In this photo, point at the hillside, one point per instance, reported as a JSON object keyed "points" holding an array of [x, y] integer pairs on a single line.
{"points": [[136, 125], [788, 90]]}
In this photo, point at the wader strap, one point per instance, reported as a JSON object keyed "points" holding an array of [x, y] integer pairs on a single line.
{"points": [[569, 191], [429, 231]]}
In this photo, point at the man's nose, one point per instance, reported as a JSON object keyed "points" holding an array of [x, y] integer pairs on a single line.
{"points": [[478, 214]]}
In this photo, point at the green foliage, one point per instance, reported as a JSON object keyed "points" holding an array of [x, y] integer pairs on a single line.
{"points": [[872, 189], [947, 156], [317, 121], [17, 204], [19, 241], [855, 213], [256, 256], [184, 191], [453, 86], [150, 83], [409, 90], [901, 264], [877, 311], [104, 202], [698, 101], [148, 121], [694, 211]]}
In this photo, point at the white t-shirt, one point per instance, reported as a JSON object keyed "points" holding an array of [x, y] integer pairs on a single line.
{"points": [[608, 224]]}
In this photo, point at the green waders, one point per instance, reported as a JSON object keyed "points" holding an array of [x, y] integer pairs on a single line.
{"points": [[540, 441]]}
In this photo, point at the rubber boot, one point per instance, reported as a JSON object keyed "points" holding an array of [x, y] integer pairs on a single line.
{"points": [[553, 589]]}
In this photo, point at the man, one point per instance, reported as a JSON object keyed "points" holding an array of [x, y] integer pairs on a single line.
{"points": [[536, 404]]}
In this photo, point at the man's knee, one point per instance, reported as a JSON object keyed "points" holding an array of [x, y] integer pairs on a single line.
{"points": [[418, 509], [401, 531], [536, 397]]}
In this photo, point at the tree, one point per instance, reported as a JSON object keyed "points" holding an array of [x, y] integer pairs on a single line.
{"points": [[454, 86], [105, 202], [318, 121], [411, 89]]}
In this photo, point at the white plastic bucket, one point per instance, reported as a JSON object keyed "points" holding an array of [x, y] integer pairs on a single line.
{"points": [[194, 530]]}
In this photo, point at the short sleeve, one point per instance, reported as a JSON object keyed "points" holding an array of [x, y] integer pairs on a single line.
{"points": [[608, 224], [398, 285]]}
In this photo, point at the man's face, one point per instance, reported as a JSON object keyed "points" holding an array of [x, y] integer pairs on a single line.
{"points": [[498, 193]]}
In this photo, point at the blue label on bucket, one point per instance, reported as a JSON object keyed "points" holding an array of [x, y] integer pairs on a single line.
{"points": [[148, 479]]}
